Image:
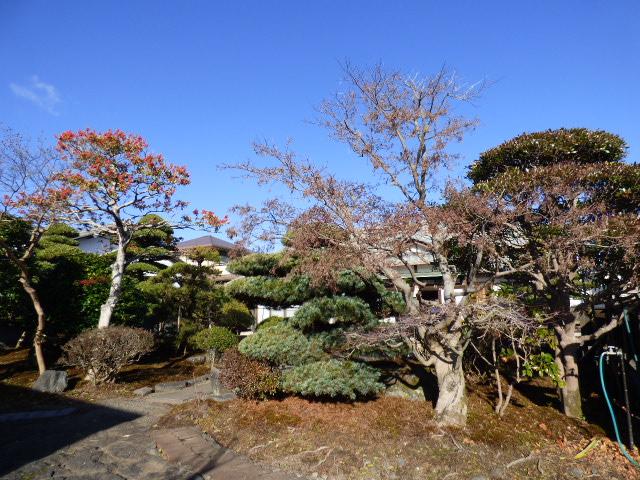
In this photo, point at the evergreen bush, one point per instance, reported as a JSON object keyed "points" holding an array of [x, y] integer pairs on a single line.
{"points": [[280, 345], [333, 378], [270, 322], [324, 311], [215, 339], [236, 316]]}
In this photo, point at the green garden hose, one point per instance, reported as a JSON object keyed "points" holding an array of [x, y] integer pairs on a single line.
{"points": [[613, 415]]}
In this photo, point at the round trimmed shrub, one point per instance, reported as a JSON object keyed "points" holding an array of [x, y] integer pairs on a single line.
{"points": [[246, 377], [102, 352], [216, 339], [333, 378], [341, 310], [235, 315], [279, 345], [270, 322]]}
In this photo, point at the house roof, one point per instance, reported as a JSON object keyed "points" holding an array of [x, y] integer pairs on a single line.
{"points": [[206, 241]]}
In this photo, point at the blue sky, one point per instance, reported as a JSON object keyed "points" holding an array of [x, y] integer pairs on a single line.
{"points": [[200, 80]]}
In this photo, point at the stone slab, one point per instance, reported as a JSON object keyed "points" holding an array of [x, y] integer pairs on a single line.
{"points": [[144, 391]]}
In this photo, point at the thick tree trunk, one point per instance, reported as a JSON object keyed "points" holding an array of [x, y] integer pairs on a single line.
{"points": [[568, 352], [117, 273], [451, 406], [38, 338], [571, 398]]}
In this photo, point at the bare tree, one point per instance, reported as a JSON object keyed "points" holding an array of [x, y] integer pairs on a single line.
{"points": [[403, 126], [30, 192]]}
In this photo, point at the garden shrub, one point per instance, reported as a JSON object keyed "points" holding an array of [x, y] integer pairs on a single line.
{"points": [[343, 310], [236, 316], [187, 330], [333, 378], [279, 345], [270, 322], [102, 353], [246, 377], [214, 339]]}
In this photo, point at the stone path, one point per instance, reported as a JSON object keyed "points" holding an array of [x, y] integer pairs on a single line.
{"points": [[119, 440]]}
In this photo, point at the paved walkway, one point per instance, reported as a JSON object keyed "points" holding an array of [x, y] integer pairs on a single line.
{"points": [[115, 440]]}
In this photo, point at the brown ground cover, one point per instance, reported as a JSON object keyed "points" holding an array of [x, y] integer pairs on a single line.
{"points": [[17, 371], [394, 438]]}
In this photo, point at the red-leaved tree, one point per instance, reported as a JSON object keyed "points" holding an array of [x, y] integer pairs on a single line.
{"points": [[119, 182]]}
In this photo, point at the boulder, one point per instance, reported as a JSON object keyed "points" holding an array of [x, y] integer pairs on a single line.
{"points": [[51, 381]]}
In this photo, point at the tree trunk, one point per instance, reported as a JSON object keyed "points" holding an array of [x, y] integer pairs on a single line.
{"points": [[571, 399], [451, 406], [117, 273], [568, 351], [38, 338]]}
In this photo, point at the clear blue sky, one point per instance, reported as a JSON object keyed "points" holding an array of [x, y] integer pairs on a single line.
{"points": [[202, 79]]}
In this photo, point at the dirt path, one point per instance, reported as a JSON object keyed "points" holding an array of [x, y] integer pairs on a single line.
{"points": [[116, 439]]}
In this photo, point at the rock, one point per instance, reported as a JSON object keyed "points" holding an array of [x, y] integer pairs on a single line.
{"points": [[51, 381], [576, 472], [197, 359], [399, 389], [216, 386], [479, 477], [219, 392], [170, 386], [200, 379], [144, 391]]}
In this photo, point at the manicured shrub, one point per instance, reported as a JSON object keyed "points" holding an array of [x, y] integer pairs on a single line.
{"points": [[102, 353], [333, 378], [279, 345], [270, 322], [236, 316], [340, 310], [215, 339], [246, 377]]}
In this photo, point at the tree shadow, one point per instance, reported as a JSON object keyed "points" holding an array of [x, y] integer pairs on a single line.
{"points": [[48, 423]]}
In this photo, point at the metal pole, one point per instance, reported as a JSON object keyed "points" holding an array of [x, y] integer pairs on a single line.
{"points": [[626, 402]]}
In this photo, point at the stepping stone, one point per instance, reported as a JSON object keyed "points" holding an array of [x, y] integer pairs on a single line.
{"points": [[144, 391], [171, 386]]}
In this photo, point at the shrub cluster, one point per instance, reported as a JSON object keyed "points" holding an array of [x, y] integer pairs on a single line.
{"points": [[102, 353], [333, 378], [246, 377]]}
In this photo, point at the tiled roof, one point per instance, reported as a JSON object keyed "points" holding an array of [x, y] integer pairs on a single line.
{"points": [[206, 241]]}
